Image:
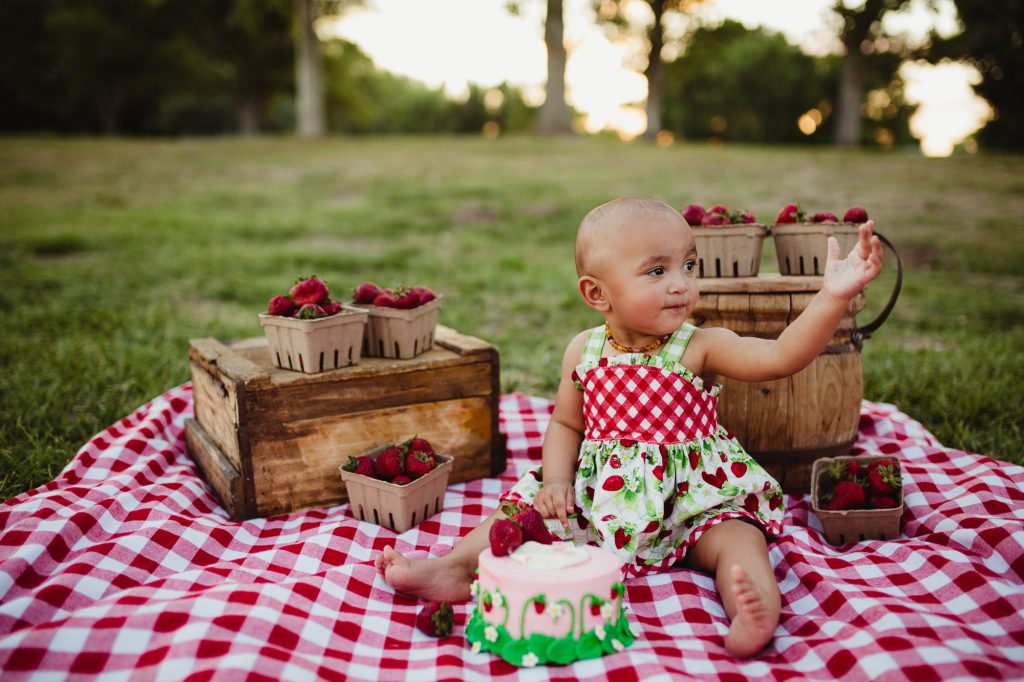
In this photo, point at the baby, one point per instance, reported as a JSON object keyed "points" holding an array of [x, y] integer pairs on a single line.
{"points": [[634, 459]]}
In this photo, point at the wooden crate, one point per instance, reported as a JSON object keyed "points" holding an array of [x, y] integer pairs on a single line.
{"points": [[270, 441]]}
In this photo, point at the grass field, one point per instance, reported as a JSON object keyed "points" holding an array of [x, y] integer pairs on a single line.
{"points": [[114, 253]]}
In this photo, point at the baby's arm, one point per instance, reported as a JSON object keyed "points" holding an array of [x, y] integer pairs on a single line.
{"points": [[752, 359], [562, 440]]}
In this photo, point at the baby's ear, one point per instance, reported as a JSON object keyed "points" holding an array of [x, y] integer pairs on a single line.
{"points": [[593, 293]]}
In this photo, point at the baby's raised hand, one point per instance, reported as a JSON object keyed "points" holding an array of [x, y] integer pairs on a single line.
{"points": [[846, 278]]}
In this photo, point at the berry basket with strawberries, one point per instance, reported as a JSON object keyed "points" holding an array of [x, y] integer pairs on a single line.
{"points": [[402, 320], [310, 333], [801, 240], [397, 485], [858, 497], [729, 243]]}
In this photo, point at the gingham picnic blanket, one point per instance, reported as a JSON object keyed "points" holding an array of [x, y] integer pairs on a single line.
{"points": [[126, 567]]}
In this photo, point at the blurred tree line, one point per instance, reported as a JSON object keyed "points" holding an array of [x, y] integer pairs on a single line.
{"points": [[221, 66]]}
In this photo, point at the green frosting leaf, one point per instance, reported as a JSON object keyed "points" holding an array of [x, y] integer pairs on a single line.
{"points": [[514, 650], [475, 628], [539, 646], [589, 646], [562, 651]]}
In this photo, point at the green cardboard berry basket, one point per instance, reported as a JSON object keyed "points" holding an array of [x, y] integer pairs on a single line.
{"points": [[852, 525], [397, 507]]}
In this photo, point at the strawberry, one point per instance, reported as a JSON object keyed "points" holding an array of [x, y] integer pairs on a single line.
{"points": [[694, 214], [622, 538], [613, 483], [281, 305], [310, 311], [855, 214], [401, 480], [385, 299], [790, 213], [365, 292], [713, 219], [405, 299], [747, 217], [361, 465], [419, 463], [719, 209], [309, 290], [824, 217], [882, 502], [533, 526], [423, 294], [847, 495], [694, 459], [738, 469], [505, 537], [751, 503], [421, 444], [436, 619], [883, 462], [389, 463], [331, 308], [884, 479]]}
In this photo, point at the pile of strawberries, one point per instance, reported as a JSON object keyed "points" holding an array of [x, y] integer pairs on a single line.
{"points": [[519, 526], [876, 485], [308, 299], [403, 297], [792, 213], [716, 216], [399, 464]]}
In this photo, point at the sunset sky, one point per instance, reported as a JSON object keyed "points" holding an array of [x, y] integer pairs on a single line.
{"points": [[603, 81]]}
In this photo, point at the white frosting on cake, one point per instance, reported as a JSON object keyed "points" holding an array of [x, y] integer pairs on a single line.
{"points": [[546, 557]]}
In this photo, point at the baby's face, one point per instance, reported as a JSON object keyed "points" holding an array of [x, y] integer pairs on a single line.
{"points": [[650, 273]]}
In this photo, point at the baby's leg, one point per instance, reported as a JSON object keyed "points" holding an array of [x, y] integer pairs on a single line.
{"points": [[736, 553], [446, 578]]}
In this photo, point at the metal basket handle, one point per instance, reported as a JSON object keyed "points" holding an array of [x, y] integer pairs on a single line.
{"points": [[860, 334]]}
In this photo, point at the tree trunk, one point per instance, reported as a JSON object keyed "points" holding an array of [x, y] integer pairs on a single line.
{"points": [[554, 117], [655, 73], [309, 95], [851, 93], [248, 116]]}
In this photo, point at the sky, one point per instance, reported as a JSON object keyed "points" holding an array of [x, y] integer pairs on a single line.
{"points": [[602, 78]]}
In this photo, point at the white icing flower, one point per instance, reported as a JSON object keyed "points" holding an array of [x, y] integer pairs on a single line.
{"points": [[556, 611], [617, 645], [634, 629], [606, 611], [599, 631], [475, 648], [474, 588], [491, 634], [530, 660]]}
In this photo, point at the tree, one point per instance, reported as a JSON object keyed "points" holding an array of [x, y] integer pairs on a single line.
{"points": [[992, 40], [746, 85], [309, 92], [611, 13], [865, 40], [554, 116]]}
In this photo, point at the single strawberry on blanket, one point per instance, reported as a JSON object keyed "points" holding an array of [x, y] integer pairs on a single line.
{"points": [[436, 619]]}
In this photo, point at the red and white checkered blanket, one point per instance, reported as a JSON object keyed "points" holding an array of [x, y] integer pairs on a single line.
{"points": [[125, 567]]}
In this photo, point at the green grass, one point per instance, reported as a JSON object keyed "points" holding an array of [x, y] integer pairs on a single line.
{"points": [[114, 253]]}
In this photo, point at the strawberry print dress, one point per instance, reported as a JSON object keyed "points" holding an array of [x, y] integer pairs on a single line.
{"points": [[655, 470]]}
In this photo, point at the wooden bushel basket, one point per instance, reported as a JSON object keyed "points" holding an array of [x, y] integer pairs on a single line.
{"points": [[787, 423]]}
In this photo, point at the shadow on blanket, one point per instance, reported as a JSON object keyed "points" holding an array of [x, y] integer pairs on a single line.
{"points": [[126, 566]]}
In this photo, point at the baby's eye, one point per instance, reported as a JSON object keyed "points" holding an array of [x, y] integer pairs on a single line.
{"points": [[657, 272], [689, 265]]}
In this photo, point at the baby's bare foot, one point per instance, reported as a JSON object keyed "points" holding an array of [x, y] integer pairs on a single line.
{"points": [[432, 579], [755, 620]]}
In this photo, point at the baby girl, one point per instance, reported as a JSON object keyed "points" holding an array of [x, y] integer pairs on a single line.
{"points": [[634, 459]]}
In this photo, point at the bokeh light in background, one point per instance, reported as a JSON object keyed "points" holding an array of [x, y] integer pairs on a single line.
{"points": [[602, 79]]}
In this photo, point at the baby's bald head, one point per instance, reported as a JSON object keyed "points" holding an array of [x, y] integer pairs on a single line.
{"points": [[609, 224]]}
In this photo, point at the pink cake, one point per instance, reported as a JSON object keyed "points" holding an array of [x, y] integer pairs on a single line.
{"points": [[552, 603]]}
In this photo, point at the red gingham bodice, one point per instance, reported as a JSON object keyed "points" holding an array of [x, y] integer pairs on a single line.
{"points": [[645, 403]]}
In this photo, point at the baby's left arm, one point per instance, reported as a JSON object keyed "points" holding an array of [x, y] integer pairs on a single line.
{"points": [[752, 359]]}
